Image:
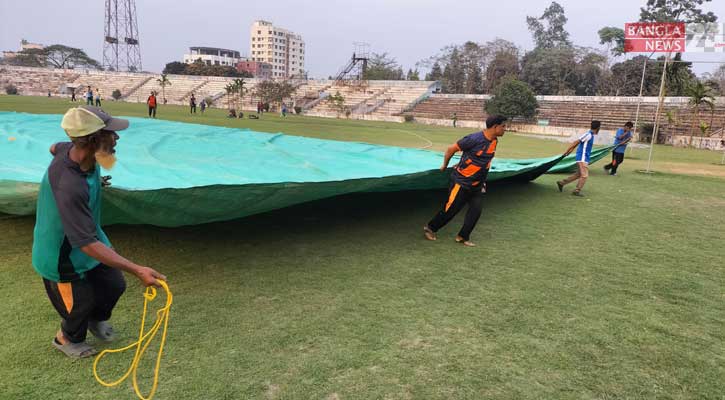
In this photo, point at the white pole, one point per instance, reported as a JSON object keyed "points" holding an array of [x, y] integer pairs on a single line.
{"points": [[639, 101], [657, 113]]}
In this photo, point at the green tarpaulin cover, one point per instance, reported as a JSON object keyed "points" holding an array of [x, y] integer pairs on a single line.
{"points": [[173, 174]]}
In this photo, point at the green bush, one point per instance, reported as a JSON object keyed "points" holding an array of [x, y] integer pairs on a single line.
{"points": [[408, 118], [11, 89], [513, 98], [116, 94], [298, 110]]}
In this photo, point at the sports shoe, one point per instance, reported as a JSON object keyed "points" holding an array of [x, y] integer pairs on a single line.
{"points": [[560, 186], [577, 193]]}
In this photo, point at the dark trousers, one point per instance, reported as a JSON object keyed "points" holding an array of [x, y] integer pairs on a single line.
{"points": [[458, 197], [89, 101], [152, 111], [91, 298], [193, 110], [98, 102], [617, 158]]}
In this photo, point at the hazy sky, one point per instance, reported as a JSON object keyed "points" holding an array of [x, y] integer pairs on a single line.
{"points": [[407, 30]]}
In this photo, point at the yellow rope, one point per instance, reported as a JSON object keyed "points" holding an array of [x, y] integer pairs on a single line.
{"points": [[162, 316]]}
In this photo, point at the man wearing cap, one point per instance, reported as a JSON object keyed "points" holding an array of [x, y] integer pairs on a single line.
{"points": [[468, 179], [621, 139], [80, 270]]}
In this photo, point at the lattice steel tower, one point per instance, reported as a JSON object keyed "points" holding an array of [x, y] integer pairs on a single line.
{"points": [[121, 49]]}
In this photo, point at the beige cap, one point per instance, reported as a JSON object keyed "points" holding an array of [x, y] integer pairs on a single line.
{"points": [[85, 120]]}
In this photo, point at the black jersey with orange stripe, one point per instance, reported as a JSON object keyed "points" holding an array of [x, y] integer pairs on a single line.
{"points": [[478, 152]]}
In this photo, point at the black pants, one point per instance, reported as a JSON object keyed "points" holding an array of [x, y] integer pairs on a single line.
{"points": [[617, 158], [458, 197], [90, 298], [98, 102], [193, 110], [152, 111], [89, 101]]}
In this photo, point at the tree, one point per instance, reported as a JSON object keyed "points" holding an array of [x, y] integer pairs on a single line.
{"points": [[383, 67], [700, 95], [513, 98], [550, 71], [337, 102], [240, 90], [505, 64], [623, 78], [552, 34], [716, 80], [61, 56], [229, 89], [474, 79], [163, 81], [199, 67], [175, 67], [590, 71], [614, 39], [274, 92], [454, 75], [465, 64], [56, 56], [679, 76], [412, 75], [435, 73], [688, 11], [28, 58]]}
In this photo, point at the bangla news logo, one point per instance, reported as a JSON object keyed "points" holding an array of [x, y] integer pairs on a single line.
{"points": [[674, 37]]}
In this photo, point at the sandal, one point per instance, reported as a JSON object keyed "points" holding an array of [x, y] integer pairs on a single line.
{"points": [[102, 330], [429, 234], [75, 350], [467, 243]]}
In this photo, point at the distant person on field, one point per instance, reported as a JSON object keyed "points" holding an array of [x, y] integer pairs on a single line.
{"points": [[284, 110], [192, 104], [48, 93], [80, 270], [151, 102], [455, 119], [98, 97], [468, 179], [202, 105], [232, 113], [623, 136], [89, 97], [73, 94], [583, 146], [260, 107]]}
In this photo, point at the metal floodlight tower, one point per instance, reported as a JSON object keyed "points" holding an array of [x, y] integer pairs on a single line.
{"points": [[121, 49]]}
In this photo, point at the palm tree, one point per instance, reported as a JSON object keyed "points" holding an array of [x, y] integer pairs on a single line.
{"points": [[163, 82], [700, 94], [239, 86], [229, 89]]}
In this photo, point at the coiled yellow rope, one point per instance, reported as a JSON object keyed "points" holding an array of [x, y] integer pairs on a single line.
{"points": [[162, 317]]}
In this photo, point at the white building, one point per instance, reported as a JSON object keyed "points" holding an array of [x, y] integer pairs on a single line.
{"points": [[213, 56], [283, 49]]}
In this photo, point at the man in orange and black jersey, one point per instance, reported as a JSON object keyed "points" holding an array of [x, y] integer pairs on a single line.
{"points": [[468, 179]]}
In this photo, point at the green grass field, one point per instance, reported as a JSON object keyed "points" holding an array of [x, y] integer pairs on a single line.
{"points": [[617, 295]]}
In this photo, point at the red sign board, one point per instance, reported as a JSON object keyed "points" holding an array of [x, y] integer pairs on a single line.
{"points": [[658, 37]]}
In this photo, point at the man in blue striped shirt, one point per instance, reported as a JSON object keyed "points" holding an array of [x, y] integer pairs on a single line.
{"points": [[583, 147]]}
